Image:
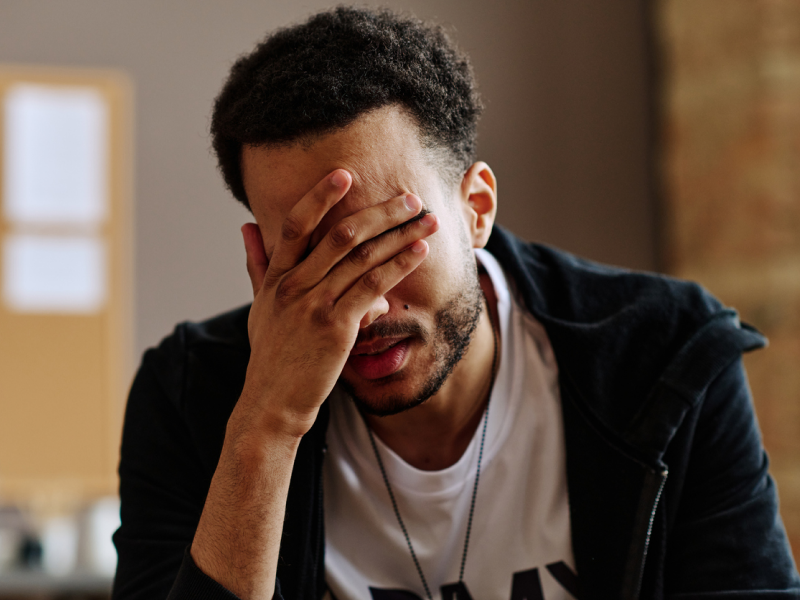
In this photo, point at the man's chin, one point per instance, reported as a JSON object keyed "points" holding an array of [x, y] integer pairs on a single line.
{"points": [[386, 407], [371, 400], [397, 393]]}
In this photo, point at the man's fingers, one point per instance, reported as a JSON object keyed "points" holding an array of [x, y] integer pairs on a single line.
{"points": [[351, 236], [257, 262], [380, 280], [303, 219], [375, 252]]}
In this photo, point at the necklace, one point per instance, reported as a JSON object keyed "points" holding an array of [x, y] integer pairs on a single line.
{"points": [[474, 488]]}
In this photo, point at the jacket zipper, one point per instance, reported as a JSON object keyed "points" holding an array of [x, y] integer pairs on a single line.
{"points": [[640, 576]]}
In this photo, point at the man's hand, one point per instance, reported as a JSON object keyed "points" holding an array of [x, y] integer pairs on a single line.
{"points": [[308, 306], [306, 312]]}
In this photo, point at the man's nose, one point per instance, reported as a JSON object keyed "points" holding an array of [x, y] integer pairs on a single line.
{"points": [[379, 308]]}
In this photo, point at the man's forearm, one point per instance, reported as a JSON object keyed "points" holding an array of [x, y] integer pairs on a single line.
{"points": [[238, 538]]}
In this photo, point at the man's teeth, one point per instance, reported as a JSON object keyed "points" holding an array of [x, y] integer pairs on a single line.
{"points": [[379, 351]]}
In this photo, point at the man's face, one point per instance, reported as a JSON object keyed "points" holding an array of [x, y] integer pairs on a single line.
{"points": [[383, 154]]}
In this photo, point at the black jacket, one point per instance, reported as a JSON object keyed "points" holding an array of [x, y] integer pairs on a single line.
{"points": [[667, 479]]}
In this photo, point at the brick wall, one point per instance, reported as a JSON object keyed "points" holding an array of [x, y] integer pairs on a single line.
{"points": [[730, 164]]}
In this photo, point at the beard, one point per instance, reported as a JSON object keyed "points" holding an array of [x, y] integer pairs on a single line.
{"points": [[454, 326]]}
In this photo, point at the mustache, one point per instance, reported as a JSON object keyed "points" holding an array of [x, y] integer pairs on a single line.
{"points": [[385, 329]]}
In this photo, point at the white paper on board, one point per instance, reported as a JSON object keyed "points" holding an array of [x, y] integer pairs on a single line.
{"points": [[54, 274], [55, 155]]}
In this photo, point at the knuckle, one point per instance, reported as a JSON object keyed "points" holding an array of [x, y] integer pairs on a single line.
{"points": [[285, 290], [372, 280], [362, 254], [291, 229], [324, 314], [342, 234], [403, 263], [270, 279]]}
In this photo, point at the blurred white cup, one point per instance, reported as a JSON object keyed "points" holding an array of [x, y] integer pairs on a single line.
{"points": [[98, 522], [59, 545]]}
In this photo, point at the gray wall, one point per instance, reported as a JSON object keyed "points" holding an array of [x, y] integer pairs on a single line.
{"points": [[565, 128]]}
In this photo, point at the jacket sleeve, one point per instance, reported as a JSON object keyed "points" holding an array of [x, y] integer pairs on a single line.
{"points": [[728, 540], [163, 486]]}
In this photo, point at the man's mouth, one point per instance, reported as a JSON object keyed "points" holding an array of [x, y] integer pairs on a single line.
{"points": [[379, 358], [375, 346]]}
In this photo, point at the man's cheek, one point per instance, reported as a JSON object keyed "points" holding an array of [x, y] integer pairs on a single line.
{"points": [[422, 285]]}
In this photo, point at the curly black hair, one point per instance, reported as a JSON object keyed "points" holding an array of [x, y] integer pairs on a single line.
{"points": [[321, 75]]}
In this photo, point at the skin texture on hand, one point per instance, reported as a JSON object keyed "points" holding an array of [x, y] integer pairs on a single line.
{"points": [[307, 310], [316, 305]]}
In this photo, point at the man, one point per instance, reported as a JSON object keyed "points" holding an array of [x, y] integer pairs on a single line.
{"points": [[403, 414]]}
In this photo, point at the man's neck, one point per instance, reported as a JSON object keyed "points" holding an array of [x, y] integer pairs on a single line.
{"points": [[434, 435]]}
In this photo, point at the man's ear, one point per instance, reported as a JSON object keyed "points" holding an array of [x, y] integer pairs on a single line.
{"points": [[479, 202]]}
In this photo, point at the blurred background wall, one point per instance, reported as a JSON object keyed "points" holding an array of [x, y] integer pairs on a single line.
{"points": [[565, 127]]}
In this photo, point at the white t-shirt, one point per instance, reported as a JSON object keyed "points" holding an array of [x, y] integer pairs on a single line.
{"points": [[520, 532]]}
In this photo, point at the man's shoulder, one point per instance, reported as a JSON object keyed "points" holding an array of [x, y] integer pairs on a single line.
{"points": [[561, 287], [202, 362], [617, 333], [227, 330]]}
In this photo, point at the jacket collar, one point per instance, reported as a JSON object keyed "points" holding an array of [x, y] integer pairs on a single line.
{"points": [[618, 335]]}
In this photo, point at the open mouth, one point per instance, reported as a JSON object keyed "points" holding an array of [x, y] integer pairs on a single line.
{"points": [[376, 347], [379, 359]]}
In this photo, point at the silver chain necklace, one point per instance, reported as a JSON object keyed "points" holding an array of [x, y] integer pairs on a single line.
{"points": [[474, 488]]}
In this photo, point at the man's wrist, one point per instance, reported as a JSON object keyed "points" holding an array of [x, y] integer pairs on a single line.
{"points": [[254, 428]]}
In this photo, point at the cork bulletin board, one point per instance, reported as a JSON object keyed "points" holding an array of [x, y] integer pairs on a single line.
{"points": [[65, 279]]}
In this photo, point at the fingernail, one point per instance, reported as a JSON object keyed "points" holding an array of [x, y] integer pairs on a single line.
{"points": [[428, 220], [412, 203], [419, 246], [339, 179]]}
